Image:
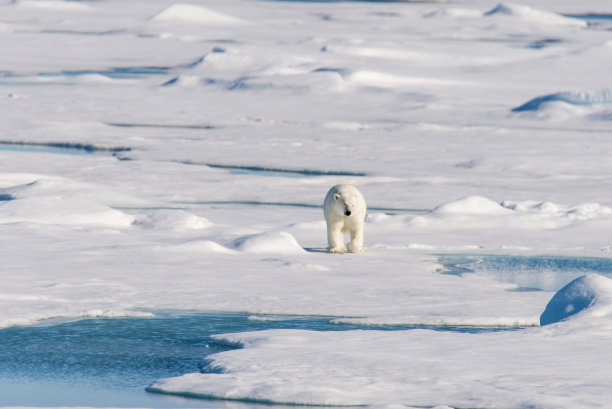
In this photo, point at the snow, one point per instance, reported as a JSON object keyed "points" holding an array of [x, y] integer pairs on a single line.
{"points": [[470, 127]]}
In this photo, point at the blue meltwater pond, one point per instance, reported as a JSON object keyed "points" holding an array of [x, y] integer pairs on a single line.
{"points": [[529, 273], [110, 362]]}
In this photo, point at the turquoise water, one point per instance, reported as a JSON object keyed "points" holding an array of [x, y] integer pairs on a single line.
{"points": [[59, 148], [63, 78], [110, 362], [529, 273], [42, 149], [591, 16]]}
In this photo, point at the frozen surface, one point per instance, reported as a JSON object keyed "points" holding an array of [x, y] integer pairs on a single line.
{"points": [[471, 127]]}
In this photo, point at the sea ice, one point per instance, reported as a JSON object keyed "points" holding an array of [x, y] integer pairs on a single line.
{"points": [[410, 101]]}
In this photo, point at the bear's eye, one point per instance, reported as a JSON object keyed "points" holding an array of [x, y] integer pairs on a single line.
{"points": [[336, 196]]}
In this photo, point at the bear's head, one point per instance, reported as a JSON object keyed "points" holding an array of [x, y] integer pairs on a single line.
{"points": [[345, 204]]}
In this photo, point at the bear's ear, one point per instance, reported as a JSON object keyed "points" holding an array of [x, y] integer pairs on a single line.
{"points": [[336, 196]]}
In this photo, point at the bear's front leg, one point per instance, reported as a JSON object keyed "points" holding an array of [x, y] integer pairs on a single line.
{"points": [[335, 238], [356, 243]]}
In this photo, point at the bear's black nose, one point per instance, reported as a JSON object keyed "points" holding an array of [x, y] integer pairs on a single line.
{"points": [[347, 213]]}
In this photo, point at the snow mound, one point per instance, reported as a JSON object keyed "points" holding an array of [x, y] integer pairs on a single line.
{"points": [[529, 14], [478, 212], [201, 246], [588, 98], [549, 210], [192, 14], [269, 242], [588, 295], [454, 12], [472, 205], [178, 220]]}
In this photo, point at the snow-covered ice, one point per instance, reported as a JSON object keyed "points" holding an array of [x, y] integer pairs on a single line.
{"points": [[214, 130]]}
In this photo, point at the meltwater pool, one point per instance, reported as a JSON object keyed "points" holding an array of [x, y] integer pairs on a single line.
{"points": [[110, 362], [529, 273]]}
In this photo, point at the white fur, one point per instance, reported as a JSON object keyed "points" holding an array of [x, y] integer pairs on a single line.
{"points": [[339, 200]]}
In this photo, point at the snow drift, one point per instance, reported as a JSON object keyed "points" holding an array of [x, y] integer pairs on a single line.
{"points": [[269, 242], [472, 205]]}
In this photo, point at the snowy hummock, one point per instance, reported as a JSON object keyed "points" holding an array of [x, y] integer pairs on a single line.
{"points": [[588, 297], [189, 13], [218, 127]]}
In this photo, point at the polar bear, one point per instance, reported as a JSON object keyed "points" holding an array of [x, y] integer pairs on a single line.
{"points": [[345, 210]]}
